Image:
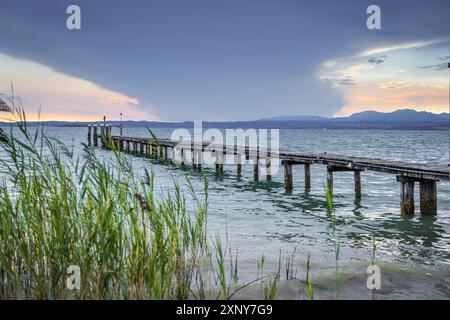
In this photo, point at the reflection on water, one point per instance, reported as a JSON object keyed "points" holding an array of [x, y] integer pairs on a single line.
{"points": [[261, 218]]}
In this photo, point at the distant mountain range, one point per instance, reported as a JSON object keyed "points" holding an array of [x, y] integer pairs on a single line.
{"points": [[403, 115], [400, 119]]}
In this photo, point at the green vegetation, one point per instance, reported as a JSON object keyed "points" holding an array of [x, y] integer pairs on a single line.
{"points": [[57, 211]]}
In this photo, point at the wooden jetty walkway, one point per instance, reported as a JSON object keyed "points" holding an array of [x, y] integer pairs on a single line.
{"points": [[407, 174]]}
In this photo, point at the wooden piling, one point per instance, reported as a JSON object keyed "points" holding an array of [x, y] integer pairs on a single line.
{"points": [[194, 161], [288, 181], [268, 169], [307, 167], [141, 148], [89, 135], [357, 176], [256, 169], [183, 156], [406, 195], [155, 150], [428, 197], [95, 136], [219, 160], [102, 135], [239, 164]]}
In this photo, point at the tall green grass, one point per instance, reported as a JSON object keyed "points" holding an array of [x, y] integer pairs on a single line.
{"points": [[58, 211]]}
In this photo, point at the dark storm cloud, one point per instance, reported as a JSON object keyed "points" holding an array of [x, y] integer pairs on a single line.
{"points": [[212, 59]]}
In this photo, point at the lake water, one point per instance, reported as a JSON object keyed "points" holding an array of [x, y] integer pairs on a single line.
{"points": [[258, 219]]}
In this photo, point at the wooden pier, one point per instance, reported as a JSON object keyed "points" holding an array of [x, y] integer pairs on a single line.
{"points": [[407, 174]]}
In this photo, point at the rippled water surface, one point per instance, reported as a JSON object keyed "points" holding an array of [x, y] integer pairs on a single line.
{"points": [[261, 219]]}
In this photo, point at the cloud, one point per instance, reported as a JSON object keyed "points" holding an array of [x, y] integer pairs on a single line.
{"points": [[120, 100], [394, 85], [377, 60], [447, 58], [404, 45], [345, 81], [436, 67], [64, 97]]}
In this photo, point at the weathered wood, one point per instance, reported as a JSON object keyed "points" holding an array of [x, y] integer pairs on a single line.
{"points": [[288, 182], [89, 135], [427, 175], [256, 169], [155, 150], [239, 164], [219, 160], [141, 148], [406, 195], [357, 178], [307, 167], [417, 171], [428, 197], [268, 169], [95, 136], [183, 156], [102, 136], [194, 160]]}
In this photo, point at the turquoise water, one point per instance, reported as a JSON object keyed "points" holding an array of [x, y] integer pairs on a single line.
{"points": [[258, 219]]}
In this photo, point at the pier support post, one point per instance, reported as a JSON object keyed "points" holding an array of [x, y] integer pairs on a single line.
{"points": [[166, 157], [330, 180], [307, 176], [141, 148], [406, 195], [268, 169], [239, 164], [183, 156], [95, 136], [288, 182], [357, 175], [89, 135], [428, 197], [219, 160], [155, 150], [194, 160], [102, 135], [256, 169]]}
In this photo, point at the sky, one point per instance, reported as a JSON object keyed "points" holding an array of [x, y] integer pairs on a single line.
{"points": [[222, 60]]}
